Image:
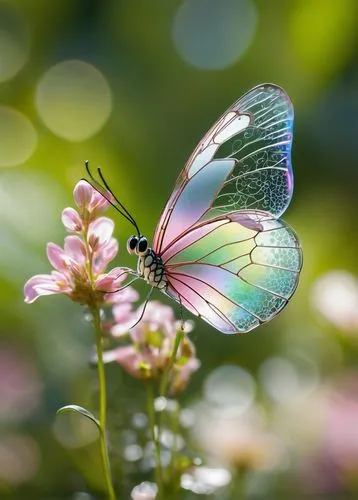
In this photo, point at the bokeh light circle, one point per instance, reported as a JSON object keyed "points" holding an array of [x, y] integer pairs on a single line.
{"points": [[335, 296], [279, 379], [19, 459], [230, 388], [18, 137], [209, 34], [74, 100], [14, 41]]}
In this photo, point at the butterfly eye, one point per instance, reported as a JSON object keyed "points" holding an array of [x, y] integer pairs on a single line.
{"points": [[132, 244], [142, 245]]}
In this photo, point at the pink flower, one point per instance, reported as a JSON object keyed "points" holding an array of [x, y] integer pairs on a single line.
{"points": [[79, 267], [152, 343]]}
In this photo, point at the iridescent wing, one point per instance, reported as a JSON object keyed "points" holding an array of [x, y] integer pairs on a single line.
{"points": [[243, 162], [235, 271]]}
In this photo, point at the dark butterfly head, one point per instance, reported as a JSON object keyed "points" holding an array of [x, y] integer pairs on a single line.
{"points": [[137, 245]]}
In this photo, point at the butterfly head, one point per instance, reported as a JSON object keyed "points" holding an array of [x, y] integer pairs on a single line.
{"points": [[137, 245]]}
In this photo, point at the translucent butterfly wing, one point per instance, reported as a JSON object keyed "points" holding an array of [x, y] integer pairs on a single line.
{"points": [[236, 271], [243, 162]]}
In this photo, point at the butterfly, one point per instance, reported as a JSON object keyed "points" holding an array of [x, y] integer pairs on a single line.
{"points": [[220, 248]]}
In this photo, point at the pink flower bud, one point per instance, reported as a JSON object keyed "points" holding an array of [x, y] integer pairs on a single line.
{"points": [[82, 194], [71, 220]]}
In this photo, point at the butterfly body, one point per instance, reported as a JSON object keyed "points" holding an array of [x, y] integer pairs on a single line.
{"points": [[150, 267]]}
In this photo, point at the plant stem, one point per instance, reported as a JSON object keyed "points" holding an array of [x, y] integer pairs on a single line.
{"points": [[155, 438], [165, 378], [174, 421], [164, 383], [102, 402]]}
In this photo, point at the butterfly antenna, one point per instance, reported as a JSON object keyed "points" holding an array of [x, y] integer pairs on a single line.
{"points": [[103, 192], [144, 308], [114, 196]]}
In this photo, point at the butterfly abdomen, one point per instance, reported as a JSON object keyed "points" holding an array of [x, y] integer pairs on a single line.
{"points": [[151, 269]]}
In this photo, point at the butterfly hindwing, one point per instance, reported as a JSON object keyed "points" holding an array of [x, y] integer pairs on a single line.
{"points": [[236, 271]]}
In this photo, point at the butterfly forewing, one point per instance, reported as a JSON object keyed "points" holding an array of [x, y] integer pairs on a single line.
{"points": [[256, 134]]}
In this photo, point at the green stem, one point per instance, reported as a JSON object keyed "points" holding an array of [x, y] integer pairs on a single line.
{"points": [[102, 403], [174, 421], [164, 382], [163, 386], [238, 485], [155, 438]]}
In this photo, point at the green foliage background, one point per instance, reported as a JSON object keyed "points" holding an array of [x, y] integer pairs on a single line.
{"points": [[161, 106]]}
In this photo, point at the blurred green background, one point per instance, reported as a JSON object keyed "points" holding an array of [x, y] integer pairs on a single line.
{"points": [[132, 86]]}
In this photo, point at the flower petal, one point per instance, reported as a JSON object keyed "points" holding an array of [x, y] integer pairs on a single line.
{"points": [[123, 312], [75, 249], [125, 319], [160, 317], [105, 255], [128, 358], [71, 220], [100, 232], [110, 250], [82, 194], [111, 281], [105, 283], [41, 284], [57, 256], [99, 203], [129, 294]]}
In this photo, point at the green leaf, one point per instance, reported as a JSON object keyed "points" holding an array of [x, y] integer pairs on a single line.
{"points": [[81, 411]]}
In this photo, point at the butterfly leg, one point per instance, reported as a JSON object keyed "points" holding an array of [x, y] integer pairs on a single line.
{"points": [[144, 308], [126, 270]]}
